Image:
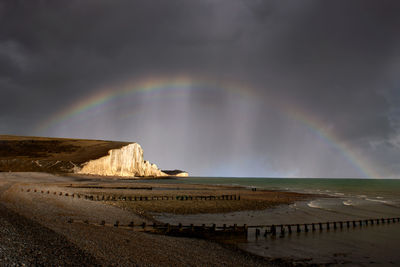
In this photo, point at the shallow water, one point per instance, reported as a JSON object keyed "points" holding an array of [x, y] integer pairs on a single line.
{"points": [[354, 199]]}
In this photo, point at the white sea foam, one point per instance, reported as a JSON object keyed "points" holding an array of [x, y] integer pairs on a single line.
{"points": [[378, 200], [348, 203], [314, 204]]}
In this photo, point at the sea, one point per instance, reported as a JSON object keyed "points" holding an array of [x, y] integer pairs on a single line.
{"points": [[336, 200]]}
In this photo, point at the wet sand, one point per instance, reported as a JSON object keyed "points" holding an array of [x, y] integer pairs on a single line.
{"points": [[48, 216]]}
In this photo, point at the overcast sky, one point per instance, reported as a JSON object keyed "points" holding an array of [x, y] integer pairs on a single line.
{"points": [[318, 84]]}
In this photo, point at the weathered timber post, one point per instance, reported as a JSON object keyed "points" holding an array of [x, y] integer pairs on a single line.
{"points": [[273, 230], [366, 222], [246, 229], [327, 226], [257, 232], [334, 225], [348, 224], [341, 225], [282, 231], [298, 230], [354, 224], [116, 224], [320, 226], [214, 227], [239, 197], [377, 221], [235, 227], [192, 227], [372, 222], [383, 220], [180, 227], [305, 228], [289, 229], [224, 227]]}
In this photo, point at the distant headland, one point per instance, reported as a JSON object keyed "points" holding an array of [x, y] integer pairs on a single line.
{"points": [[80, 156]]}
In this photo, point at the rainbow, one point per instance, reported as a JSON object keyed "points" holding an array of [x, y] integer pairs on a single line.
{"points": [[106, 95]]}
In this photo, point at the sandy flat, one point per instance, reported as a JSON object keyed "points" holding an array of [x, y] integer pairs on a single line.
{"points": [[108, 245]]}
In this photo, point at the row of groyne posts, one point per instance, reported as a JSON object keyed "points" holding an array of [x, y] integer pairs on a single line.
{"points": [[241, 232], [134, 198], [287, 229], [219, 232]]}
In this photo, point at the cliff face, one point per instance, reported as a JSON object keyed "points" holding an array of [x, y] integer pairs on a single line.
{"points": [[126, 161]]}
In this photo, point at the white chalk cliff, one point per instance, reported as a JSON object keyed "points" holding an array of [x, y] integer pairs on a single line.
{"points": [[127, 161]]}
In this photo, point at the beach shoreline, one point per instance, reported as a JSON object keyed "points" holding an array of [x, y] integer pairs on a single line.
{"points": [[111, 245]]}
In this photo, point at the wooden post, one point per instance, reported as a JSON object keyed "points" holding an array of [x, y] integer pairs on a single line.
{"points": [[334, 225], [298, 230], [305, 228], [224, 227], [282, 231], [116, 224], [144, 225], [320, 226], [348, 224], [257, 232], [360, 223], [214, 227], [273, 230], [289, 229], [103, 223], [131, 224], [313, 226], [366, 222], [341, 225], [327, 226], [354, 224]]}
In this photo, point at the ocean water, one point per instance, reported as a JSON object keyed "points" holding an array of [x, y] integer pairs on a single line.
{"points": [[349, 199]]}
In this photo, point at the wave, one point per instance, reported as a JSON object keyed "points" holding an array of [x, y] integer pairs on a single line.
{"points": [[348, 203], [314, 204], [339, 194]]}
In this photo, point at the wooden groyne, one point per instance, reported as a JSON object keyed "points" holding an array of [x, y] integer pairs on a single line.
{"points": [[235, 231], [282, 230], [241, 232], [99, 197]]}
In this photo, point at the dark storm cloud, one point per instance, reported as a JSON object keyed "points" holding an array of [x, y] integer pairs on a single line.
{"points": [[337, 60]]}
